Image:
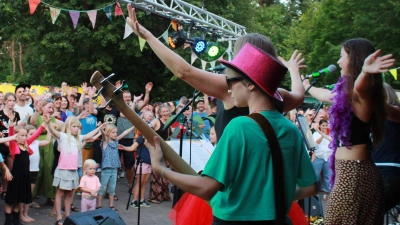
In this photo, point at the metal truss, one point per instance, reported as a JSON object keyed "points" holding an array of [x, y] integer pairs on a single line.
{"points": [[187, 14]]}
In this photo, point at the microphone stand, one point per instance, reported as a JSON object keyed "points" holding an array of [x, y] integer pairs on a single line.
{"points": [[179, 116], [139, 163]]}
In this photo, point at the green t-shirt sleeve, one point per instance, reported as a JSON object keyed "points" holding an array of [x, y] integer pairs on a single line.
{"points": [[225, 161], [306, 176]]}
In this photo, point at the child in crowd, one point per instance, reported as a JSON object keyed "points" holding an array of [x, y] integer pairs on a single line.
{"points": [[89, 186], [213, 136], [19, 189], [34, 160], [144, 155], [66, 175], [110, 163]]}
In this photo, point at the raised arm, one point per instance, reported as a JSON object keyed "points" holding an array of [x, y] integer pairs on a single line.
{"points": [[123, 134], [53, 131], [91, 91], [206, 82], [146, 99], [296, 97], [84, 90], [35, 135], [207, 104], [95, 131], [323, 95]]}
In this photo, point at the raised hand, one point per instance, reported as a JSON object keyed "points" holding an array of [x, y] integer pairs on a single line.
{"points": [[295, 62], [149, 86], [137, 98], [118, 84], [11, 115], [84, 87], [46, 118], [84, 114], [375, 64], [91, 91], [138, 29]]}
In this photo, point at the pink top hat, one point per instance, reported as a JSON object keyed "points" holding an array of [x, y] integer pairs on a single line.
{"points": [[260, 67]]}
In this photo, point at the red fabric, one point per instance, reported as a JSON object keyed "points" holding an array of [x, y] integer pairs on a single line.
{"points": [[191, 210], [297, 215], [176, 125], [14, 149], [33, 5]]}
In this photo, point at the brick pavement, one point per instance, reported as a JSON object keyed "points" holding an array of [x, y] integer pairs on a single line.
{"points": [[157, 214]]}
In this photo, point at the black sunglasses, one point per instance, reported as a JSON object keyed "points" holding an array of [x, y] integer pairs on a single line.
{"points": [[229, 81]]}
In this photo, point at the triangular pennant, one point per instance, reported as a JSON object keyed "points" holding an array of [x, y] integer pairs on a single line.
{"points": [[128, 30], [92, 16], [33, 5], [107, 10], [174, 25], [185, 45], [394, 73], [141, 43], [118, 10], [75, 17], [165, 36], [212, 64], [193, 58], [54, 12], [203, 64]]}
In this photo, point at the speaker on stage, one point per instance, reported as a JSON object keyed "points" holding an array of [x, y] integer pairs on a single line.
{"points": [[96, 217]]}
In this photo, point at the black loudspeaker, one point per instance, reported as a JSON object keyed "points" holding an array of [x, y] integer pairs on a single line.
{"points": [[96, 217]]}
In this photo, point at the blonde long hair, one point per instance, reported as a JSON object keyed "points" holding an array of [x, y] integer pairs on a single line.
{"points": [[72, 120]]}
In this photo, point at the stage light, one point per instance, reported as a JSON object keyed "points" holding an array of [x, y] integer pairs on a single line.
{"points": [[176, 39], [213, 49], [198, 45]]}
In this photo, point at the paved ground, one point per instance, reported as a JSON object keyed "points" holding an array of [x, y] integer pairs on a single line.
{"points": [[156, 214]]}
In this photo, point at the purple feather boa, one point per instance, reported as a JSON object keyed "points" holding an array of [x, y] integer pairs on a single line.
{"points": [[340, 117]]}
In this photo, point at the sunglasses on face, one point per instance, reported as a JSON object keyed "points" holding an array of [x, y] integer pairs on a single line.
{"points": [[231, 80]]}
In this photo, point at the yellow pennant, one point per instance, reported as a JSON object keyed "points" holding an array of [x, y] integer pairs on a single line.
{"points": [[394, 73], [141, 43]]}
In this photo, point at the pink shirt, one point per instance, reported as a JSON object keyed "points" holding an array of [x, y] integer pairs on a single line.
{"points": [[90, 182], [69, 150]]}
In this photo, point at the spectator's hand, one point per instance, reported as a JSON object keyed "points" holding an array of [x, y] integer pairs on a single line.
{"points": [[156, 154], [118, 84], [138, 29], [313, 157], [90, 140], [7, 175], [374, 64], [14, 137], [11, 115], [84, 114], [93, 193], [121, 147], [46, 118], [149, 86], [56, 90], [23, 123], [295, 62], [84, 88], [137, 98], [91, 91], [56, 114]]}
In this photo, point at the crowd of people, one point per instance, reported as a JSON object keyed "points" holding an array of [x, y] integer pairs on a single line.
{"points": [[53, 145]]}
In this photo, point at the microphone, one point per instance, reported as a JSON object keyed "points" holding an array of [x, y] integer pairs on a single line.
{"points": [[329, 69], [329, 87]]}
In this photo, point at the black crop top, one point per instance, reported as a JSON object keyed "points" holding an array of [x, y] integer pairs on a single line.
{"points": [[360, 131]]}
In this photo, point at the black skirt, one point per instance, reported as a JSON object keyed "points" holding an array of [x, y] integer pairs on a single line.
{"points": [[19, 188]]}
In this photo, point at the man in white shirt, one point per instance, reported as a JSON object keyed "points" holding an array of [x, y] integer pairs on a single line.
{"points": [[24, 110]]}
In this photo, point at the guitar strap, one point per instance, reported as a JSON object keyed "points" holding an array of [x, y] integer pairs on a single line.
{"points": [[277, 165]]}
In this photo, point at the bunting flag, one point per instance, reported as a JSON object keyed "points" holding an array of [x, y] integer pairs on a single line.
{"points": [[54, 12], [107, 10], [92, 16], [165, 36], [394, 73], [141, 43], [203, 64], [33, 5], [75, 17], [128, 30], [193, 58], [118, 10], [212, 64]]}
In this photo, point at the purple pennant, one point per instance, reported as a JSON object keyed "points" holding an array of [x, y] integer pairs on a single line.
{"points": [[75, 17]]}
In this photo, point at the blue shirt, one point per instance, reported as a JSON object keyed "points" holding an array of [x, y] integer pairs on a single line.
{"points": [[142, 150], [110, 155], [88, 124]]}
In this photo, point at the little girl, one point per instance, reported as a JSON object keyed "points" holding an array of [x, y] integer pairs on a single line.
{"points": [[66, 175], [19, 189], [34, 160], [110, 162], [89, 186]]}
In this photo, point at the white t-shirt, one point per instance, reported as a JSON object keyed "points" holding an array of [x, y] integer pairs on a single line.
{"points": [[69, 152], [35, 157], [23, 111], [323, 151]]}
